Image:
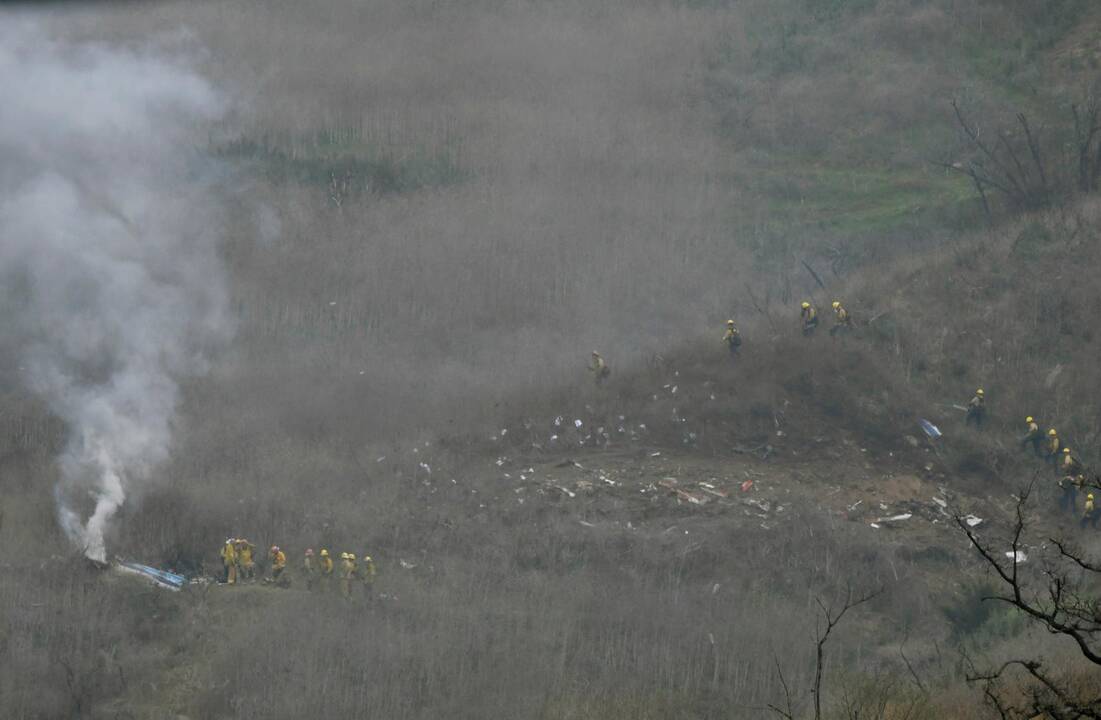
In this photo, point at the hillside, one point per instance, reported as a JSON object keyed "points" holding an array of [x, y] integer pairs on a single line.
{"points": [[428, 214]]}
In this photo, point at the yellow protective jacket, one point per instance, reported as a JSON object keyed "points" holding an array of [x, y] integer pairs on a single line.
{"points": [[809, 315], [307, 564], [1033, 431], [842, 315], [599, 366], [1053, 444], [369, 572], [1070, 464], [1089, 507], [326, 566], [348, 569], [244, 553], [977, 403], [731, 336], [279, 560], [228, 553]]}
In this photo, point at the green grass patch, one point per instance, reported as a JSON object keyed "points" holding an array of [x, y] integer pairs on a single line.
{"points": [[345, 163], [855, 200]]}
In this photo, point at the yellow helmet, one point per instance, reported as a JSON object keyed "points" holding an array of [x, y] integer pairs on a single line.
{"points": [[979, 391], [730, 323], [836, 304], [806, 305], [324, 552], [1066, 451], [367, 558], [1090, 496], [1052, 432], [1028, 419]]}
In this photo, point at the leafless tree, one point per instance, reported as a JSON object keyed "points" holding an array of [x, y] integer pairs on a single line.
{"points": [[1020, 688], [829, 619]]}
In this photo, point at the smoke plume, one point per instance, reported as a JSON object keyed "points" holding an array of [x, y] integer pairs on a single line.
{"points": [[109, 258]]}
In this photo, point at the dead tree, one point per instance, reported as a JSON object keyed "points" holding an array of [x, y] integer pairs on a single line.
{"points": [[1087, 139], [829, 619], [1054, 596], [1014, 166]]}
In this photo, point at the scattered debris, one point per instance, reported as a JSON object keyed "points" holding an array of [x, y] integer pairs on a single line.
{"points": [[1019, 557], [160, 578], [930, 430], [406, 565], [972, 521], [747, 485]]}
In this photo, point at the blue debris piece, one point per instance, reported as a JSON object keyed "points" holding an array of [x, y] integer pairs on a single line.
{"points": [[172, 581], [931, 430]]}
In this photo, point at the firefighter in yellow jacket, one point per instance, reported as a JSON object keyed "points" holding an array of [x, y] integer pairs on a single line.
{"points": [[1033, 436], [976, 409], [347, 573], [278, 565], [1070, 465], [367, 575], [229, 560], [325, 570], [246, 566], [599, 368], [732, 338], [809, 315], [1053, 449], [842, 321], [1090, 514]]}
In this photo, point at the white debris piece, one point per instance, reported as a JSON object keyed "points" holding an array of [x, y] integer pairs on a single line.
{"points": [[426, 468], [655, 454], [577, 424], [895, 518], [504, 431], [1021, 556], [406, 565], [972, 521], [941, 502]]}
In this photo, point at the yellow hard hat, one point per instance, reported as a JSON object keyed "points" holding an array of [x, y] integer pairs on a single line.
{"points": [[1090, 496], [806, 305], [1066, 450], [1051, 432], [836, 304], [324, 552], [1028, 419], [979, 391], [729, 322], [366, 558]]}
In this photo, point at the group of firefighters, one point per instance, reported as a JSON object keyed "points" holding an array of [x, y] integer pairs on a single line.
{"points": [[239, 563], [1069, 470]]}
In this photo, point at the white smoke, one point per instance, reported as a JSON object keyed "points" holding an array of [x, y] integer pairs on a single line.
{"points": [[109, 257]]}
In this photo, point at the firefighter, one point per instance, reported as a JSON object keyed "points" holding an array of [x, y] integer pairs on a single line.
{"points": [[732, 338], [809, 315], [326, 570], [309, 569], [246, 566], [347, 573], [599, 368], [842, 322], [229, 560], [1068, 501], [1069, 464], [1052, 449], [367, 575], [1032, 435], [278, 565], [976, 409], [1090, 515]]}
